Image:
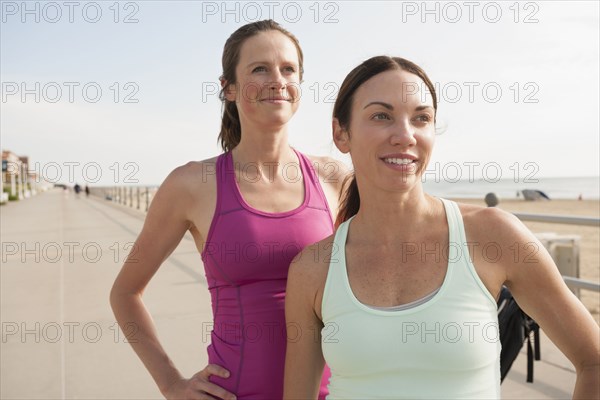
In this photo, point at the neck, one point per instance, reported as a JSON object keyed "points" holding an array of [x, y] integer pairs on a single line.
{"points": [[264, 146], [264, 153], [386, 217]]}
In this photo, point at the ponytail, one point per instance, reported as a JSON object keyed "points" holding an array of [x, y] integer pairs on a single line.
{"points": [[231, 130], [350, 200]]}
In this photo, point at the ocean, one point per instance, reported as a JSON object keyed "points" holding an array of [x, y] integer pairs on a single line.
{"points": [[555, 188]]}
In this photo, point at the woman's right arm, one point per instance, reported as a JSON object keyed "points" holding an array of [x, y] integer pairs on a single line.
{"points": [[165, 225]]}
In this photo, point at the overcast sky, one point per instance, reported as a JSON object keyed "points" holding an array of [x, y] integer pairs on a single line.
{"points": [[127, 91]]}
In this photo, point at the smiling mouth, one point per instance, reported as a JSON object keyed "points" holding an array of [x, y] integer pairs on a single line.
{"points": [[275, 100], [399, 161]]}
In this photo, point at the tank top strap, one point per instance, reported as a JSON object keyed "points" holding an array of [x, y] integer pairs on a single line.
{"points": [[460, 262], [335, 294], [456, 231], [318, 200], [227, 199], [457, 238]]}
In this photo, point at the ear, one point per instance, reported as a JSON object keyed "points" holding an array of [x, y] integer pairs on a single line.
{"points": [[228, 89], [340, 136]]}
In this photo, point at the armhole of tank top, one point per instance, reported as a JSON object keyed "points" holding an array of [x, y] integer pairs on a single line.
{"points": [[217, 213], [465, 250], [317, 183]]}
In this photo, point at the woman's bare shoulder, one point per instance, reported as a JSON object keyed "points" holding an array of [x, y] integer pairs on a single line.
{"points": [[310, 266], [193, 177], [330, 170], [308, 271], [203, 170], [189, 190], [490, 222]]}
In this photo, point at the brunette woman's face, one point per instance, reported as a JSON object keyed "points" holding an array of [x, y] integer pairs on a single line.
{"points": [[268, 80], [391, 133]]}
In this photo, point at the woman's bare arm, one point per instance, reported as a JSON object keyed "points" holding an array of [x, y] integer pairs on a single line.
{"points": [[538, 287], [304, 361], [165, 225]]}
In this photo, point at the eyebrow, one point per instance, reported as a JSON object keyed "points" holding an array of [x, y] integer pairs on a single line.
{"points": [[256, 62], [390, 107], [379, 103], [269, 63]]}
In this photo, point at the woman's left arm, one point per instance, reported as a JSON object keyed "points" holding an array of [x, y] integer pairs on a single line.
{"points": [[539, 289], [304, 361]]}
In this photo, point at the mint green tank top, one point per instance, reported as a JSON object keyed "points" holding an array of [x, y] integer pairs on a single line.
{"points": [[447, 347]]}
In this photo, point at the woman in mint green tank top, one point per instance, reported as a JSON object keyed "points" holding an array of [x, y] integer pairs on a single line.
{"points": [[401, 301]]}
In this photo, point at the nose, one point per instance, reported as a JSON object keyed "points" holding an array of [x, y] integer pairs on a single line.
{"points": [[278, 81], [403, 134]]}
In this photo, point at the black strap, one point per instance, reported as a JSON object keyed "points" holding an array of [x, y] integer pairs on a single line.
{"points": [[536, 337], [529, 360]]}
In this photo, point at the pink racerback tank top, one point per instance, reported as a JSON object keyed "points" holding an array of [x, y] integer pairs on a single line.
{"points": [[246, 260]]}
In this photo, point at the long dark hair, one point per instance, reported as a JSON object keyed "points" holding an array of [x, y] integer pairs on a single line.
{"points": [[231, 130], [342, 110]]}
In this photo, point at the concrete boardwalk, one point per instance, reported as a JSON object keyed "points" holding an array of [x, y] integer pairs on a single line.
{"points": [[60, 340]]}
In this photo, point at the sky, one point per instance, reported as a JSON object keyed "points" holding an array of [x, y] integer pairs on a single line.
{"points": [[113, 93]]}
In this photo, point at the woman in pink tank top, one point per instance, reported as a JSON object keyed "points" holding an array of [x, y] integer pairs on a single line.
{"points": [[251, 210]]}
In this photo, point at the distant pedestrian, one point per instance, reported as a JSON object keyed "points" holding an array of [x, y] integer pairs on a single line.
{"points": [[87, 191], [491, 200], [77, 189]]}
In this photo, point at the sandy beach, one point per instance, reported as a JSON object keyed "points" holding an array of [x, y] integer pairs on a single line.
{"points": [[589, 242]]}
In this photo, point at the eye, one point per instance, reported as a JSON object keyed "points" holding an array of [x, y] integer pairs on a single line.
{"points": [[381, 117], [290, 69], [423, 118], [259, 69]]}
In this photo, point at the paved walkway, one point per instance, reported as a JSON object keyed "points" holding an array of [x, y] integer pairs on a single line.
{"points": [[60, 255]]}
